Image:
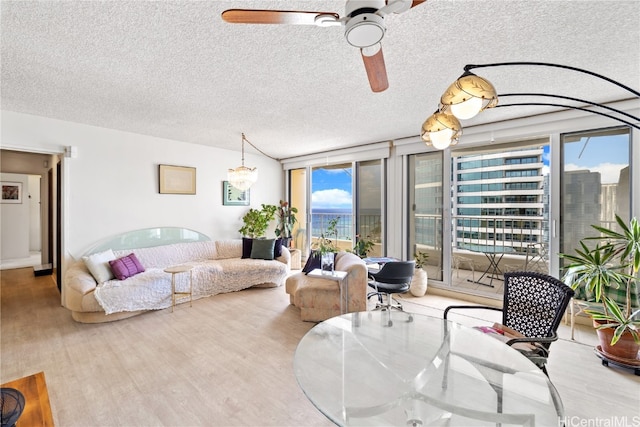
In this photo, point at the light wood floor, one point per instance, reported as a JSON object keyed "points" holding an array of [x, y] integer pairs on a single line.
{"points": [[226, 361]]}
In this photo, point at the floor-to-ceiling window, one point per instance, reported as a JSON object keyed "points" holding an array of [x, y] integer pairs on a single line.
{"points": [[595, 183], [349, 194], [427, 199], [500, 212], [495, 215], [370, 204], [332, 200]]}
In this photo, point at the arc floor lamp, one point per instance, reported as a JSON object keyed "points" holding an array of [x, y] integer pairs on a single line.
{"points": [[470, 94]]}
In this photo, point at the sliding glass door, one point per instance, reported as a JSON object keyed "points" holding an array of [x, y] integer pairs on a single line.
{"points": [[427, 198], [370, 205], [332, 201]]}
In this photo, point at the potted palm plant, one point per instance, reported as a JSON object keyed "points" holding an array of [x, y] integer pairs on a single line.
{"points": [[608, 275], [286, 218]]}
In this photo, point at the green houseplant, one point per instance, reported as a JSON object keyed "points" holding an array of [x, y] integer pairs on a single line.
{"points": [[256, 221], [608, 275], [286, 218], [363, 246], [325, 248]]}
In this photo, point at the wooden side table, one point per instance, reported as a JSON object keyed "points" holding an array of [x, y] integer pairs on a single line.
{"points": [[178, 270], [37, 409]]}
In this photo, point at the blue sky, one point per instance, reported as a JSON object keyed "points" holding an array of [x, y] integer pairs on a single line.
{"points": [[331, 189], [604, 154]]}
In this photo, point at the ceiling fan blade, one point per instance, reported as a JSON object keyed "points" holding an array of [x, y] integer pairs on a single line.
{"points": [[398, 6], [376, 70], [250, 16]]}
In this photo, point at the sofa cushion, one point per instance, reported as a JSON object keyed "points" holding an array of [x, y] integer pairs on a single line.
{"points": [[98, 265], [126, 266], [229, 248], [262, 249]]}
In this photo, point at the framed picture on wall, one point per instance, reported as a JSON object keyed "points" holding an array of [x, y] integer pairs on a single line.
{"points": [[11, 192], [231, 196], [177, 179]]}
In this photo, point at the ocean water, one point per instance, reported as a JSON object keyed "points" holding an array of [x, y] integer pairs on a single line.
{"points": [[320, 219]]}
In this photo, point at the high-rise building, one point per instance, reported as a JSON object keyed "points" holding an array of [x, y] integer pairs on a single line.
{"points": [[498, 199]]}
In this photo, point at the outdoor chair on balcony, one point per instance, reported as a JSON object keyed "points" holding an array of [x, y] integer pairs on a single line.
{"points": [[458, 261], [533, 306], [537, 258], [393, 278]]}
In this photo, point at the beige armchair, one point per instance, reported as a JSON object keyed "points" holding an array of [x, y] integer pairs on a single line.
{"points": [[319, 299]]}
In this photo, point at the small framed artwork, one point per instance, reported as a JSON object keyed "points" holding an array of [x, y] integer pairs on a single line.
{"points": [[231, 196], [11, 192], [177, 179]]}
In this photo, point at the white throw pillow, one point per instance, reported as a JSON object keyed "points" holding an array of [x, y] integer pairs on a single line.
{"points": [[98, 265]]}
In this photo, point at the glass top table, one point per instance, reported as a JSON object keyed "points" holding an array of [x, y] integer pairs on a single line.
{"points": [[402, 369]]}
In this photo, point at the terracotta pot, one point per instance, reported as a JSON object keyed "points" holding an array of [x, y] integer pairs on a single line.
{"points": [[625, 348]]}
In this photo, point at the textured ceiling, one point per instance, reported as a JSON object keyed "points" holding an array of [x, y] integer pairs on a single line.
{"points": [[174, 69]]}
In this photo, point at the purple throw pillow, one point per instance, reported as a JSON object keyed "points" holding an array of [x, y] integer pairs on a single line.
{"points": [[126, 266]]}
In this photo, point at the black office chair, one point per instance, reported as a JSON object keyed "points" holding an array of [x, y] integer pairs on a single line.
{"points": [[533, 306], [393, 278]]}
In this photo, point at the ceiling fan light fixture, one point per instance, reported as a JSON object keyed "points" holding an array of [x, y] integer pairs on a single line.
{"points": [[441, 130], [468, 96], [364, 30], [242, 177]]}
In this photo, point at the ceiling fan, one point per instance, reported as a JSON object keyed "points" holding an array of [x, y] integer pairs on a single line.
{"points": [[363, 22]]}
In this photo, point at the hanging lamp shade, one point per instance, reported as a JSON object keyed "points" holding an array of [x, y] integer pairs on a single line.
{"points": [[467, 96], [441, 130], [242, 177]]}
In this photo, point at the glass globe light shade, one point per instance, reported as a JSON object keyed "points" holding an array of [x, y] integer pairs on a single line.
{"points": [[441, 130], [467, 96], [441, 139], [467, 109]]}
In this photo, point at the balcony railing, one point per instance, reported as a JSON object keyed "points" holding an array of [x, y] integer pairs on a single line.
{"points": [[522, 240], [369, 227]]}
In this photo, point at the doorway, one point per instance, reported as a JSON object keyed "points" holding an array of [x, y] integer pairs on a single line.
{"points": [[41, 200]]}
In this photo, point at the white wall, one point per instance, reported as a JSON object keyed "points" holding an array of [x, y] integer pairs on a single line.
{"points": [[111, 186], [14, 236]]}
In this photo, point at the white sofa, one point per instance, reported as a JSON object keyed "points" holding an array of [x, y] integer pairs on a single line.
{"points": [[217, 268]]}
